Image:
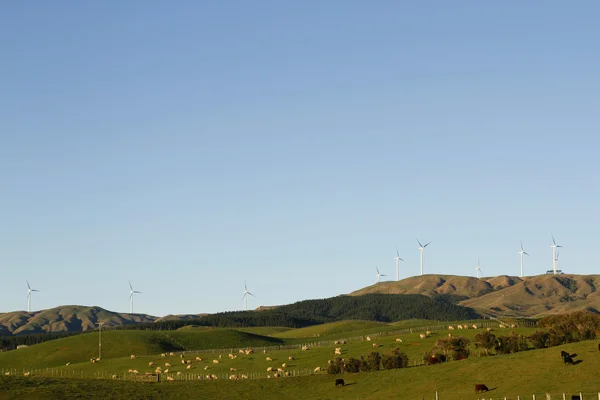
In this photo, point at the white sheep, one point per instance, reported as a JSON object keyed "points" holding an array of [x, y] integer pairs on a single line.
{"points": [[232, 369], [290, 358], [69, 363], [269, 369], [163, 355], [459, 326], [215, 361], [198, 359], [398, 340], [170, 378], [132, 356], [474, 326], [368, 338], [269, 359], [151, 364], [244, 376], [422, 336], [189, 367], [167, 364], [375, 345], [318, 369], [450, 328], [283, 365]]}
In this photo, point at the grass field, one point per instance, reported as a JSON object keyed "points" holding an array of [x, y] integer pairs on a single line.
{"points": [[523, 374]]}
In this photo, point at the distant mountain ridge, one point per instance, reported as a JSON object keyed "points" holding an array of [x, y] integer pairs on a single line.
{"points": [[508, 296], [65, 319]]}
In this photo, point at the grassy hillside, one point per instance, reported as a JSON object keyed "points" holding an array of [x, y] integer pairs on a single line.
{"points": [[539, 371], [65, 318], [116, 344], [335, 328], [505, 296]]}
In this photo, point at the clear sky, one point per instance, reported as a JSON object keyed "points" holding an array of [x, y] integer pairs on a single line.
{"points": [[188, 146]]}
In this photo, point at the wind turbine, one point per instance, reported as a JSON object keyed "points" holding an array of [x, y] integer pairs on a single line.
{"points": [[522, 252], [422, 250], [29, 290], [379, 274], [246, 293], [131, 293], [556, 261], [478, 269], [554, 247], [397, 258]]}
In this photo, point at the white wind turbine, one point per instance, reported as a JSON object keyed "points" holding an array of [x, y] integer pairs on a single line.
{"points": [[522, 252], [422, 250], [379, 274], [556, 261], [246, 293], [398, 259], [478, 269], [554, 247], [131, 293], [29, 290]]}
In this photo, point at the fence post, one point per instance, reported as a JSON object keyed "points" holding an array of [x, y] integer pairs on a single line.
{"points": [[580, 396], [534, 397], [436, 396], [564, 396]]}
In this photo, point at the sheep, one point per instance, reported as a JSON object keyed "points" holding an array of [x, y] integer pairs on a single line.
{"points": [[163, 355], [329, 362], [284, 365], [167, 364], [513, 325], [249, 351], [269, 369], [215, 361], [290, 358], [279, 369], [450, 328], [233, 377], [474, 326], [368, 338], [114, 377], [318, 369], [69, 363], [244, 376], [170, 378], [276, 375], [189, 367], [304, 348], [428, 333], [231, 356], [459, 326], [179, 373], [422, 336], [337, 342], [205, 368], [489, 329], [287, 373], [151, 364], [375, 345], [342, 342], [449, 335], [220, 356], [465, 326], [398, 340], [188, 361], [338, 350], [214, 377], [501, 326], [183, 361], [232, 369], [198, 359], [166, 371], [268, 376], [269, 359], [265, 351], [7, 374], [132, 356], [135, 371], [26, 373], [171, 354]]}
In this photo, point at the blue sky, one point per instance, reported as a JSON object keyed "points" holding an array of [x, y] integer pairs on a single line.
{"points": [[190, 146]]}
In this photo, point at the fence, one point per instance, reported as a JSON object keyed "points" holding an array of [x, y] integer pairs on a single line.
{"points": [[549, 396]]}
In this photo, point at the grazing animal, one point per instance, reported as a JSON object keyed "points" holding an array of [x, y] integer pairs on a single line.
{"points": [[7, 374], [287, 373], [170, 378], [69, 363], [422, 336], [269, 369], [198, 359], [474, 326], [26, 373], [163, 355], [342, 342], [368, 338], [205, 368], [188, 361], [339, 382], [489, 329], [304, 348], [480, 387], [114, 377], [132, 356], [337, 342], [398, 340], [269, 359], [166, 371], [151, 364], [374, 345], [189, 367], [215, 361], [283, 365], [450, 328], [183, 361], [568, 358], [244, 376], [291, 358], [232, 369], [338, 350], [179, 373], [171, 354], [318, 369], [167, 365]]}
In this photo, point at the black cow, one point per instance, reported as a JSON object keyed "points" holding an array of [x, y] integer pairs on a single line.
{"points": [[568, 358], [480, 387], [339, 382]]}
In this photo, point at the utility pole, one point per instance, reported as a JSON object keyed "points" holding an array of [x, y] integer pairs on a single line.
{"points": [[100, 339]]}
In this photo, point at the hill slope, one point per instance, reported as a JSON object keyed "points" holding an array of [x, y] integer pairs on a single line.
{"points": [[65, 319], [512, 296]]}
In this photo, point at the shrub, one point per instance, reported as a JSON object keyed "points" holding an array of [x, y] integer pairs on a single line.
{"points": [[431, 358], [456, 347], [397, 359], [486, 341], [511, 344], [353, 365], [539, 339], [374, 361]]}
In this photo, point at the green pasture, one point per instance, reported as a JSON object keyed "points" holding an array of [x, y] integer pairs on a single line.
{"points": [[524, 374]]}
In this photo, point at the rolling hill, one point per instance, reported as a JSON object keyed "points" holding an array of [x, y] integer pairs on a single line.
{"points": [[65, 319], [503, 296]]}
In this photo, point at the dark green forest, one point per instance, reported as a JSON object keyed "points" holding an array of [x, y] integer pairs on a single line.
{"points": [[372, 307]]}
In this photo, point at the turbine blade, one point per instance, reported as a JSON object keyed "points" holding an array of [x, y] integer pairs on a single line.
{"points": [[397, 254], [135, 291], [427, 244], [521, 245], [400, 259], [251, 294], [526, 253], [553, 241], [131, 295], [377, 270], [29, 287], [419, 243], [130, 287]]}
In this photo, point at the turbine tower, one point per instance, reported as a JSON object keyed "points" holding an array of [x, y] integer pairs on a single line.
{"points": [[556, 261], [478, 269], [522, 252], [398, 259], [131, 293], [29, 290], [422, 250], [554, 247], [379, 274], [246, 293]]}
